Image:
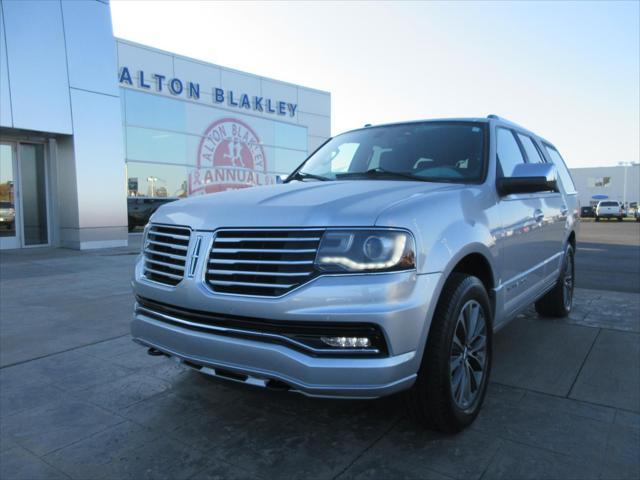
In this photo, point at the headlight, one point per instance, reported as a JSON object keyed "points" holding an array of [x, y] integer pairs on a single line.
{"points": [[366, 251]]}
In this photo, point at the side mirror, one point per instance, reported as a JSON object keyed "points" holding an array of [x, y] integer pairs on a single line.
{"points": [[529, 178]]}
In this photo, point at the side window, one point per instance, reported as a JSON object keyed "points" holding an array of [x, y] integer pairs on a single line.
{"points": [[563, 171], [532, 152], [509, 154]]}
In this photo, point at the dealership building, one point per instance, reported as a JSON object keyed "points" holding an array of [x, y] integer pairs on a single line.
{"points": [[620, 183], [88, 120]]}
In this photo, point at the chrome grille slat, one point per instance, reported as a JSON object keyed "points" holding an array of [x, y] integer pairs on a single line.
{"points": [[269, 239], [169, 245], [165, 264], [262, 262], [173, 256], [171, 235], [264, 250], [251, 284], [164, 274], [258, 273], [165, 253]]}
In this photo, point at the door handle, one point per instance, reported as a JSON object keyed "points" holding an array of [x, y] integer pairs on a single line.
{"points": [[564, 210], [538, 216]]}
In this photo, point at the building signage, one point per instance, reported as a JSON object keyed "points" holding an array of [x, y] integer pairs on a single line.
{"points": [[187, 89], [230, 156]]}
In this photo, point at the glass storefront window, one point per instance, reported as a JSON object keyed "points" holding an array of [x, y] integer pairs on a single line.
{"points": [[156, 180], [176, 148], [153, 111], [158, 146]]}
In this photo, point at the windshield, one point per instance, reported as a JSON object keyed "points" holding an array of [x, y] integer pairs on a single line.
{"points": [[429, 151]]}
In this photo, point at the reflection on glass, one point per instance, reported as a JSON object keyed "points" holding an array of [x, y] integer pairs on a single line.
{"points": [[156, 180], [159, 146], [162, 113], [286, 161], [290, 136], [34, 205], [7, 196], [154, 111]]}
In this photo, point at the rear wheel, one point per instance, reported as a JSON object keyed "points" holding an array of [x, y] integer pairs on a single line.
{"points": [[559, 301], [453, 377]]}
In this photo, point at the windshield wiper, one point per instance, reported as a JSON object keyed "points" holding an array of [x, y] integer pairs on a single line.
{"points": [[304, 175], [373, 172]]}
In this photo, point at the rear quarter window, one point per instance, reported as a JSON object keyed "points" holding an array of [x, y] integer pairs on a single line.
{"points": [[563, 171]]}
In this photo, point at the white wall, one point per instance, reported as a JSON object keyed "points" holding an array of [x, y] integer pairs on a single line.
{"points": [[585, 180]]}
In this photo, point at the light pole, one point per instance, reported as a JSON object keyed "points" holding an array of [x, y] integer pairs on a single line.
{"points": [[152, 181], [624, 187]]}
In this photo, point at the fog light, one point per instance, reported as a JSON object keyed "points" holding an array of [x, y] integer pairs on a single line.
{"points": [[347, 342]]}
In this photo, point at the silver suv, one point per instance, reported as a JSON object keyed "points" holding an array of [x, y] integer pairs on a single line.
{"points": [[384, 263]]}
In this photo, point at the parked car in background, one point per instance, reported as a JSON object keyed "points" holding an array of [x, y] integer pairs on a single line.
{"points": [[140, 209], [609, 209], [384, 263], [7, 215], [587, 212]]}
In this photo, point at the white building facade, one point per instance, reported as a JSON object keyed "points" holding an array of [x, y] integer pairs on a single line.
{"points": [[87, 120], [620, 183]]}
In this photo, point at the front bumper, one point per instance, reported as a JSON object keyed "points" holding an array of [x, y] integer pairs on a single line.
{"points": [[400, 304]]}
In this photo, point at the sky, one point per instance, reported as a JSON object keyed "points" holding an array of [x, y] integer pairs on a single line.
{"points": [[569, 71]]}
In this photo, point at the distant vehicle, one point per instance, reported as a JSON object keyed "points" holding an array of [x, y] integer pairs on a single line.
{"points": [[139, 209], [636, 214], [587, 212], [609, 209], [7, 215]]}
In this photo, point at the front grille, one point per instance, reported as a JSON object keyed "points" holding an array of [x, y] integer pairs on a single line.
{"points": [[165, 253], [262, 262]]}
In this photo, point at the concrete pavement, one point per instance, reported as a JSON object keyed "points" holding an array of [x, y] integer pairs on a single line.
{"points": [[79, 400]]}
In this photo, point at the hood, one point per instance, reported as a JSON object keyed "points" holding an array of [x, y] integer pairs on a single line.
{"points": [[297, 204]]}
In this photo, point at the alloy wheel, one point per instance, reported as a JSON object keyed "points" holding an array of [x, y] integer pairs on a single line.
{"points": [[468, 359]]}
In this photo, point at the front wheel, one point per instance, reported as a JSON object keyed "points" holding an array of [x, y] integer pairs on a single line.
{"points": [[559, 301], [454, 373]]}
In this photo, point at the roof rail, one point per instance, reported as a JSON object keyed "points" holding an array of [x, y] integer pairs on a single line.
{"points": [[506, 120]]}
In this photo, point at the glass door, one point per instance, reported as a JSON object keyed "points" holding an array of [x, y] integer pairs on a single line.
{"points": [[9, 210], [33, 194]]}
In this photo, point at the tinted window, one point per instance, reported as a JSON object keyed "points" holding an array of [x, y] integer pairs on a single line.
{"points": [[532, 152], [608, 204], [431, 151], [509, 154], [563, 172]]}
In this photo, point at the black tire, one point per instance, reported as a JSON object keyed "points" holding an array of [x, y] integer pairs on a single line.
{"points": [[619, 219], [430, 401], [597, 218], [559, 300]]}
